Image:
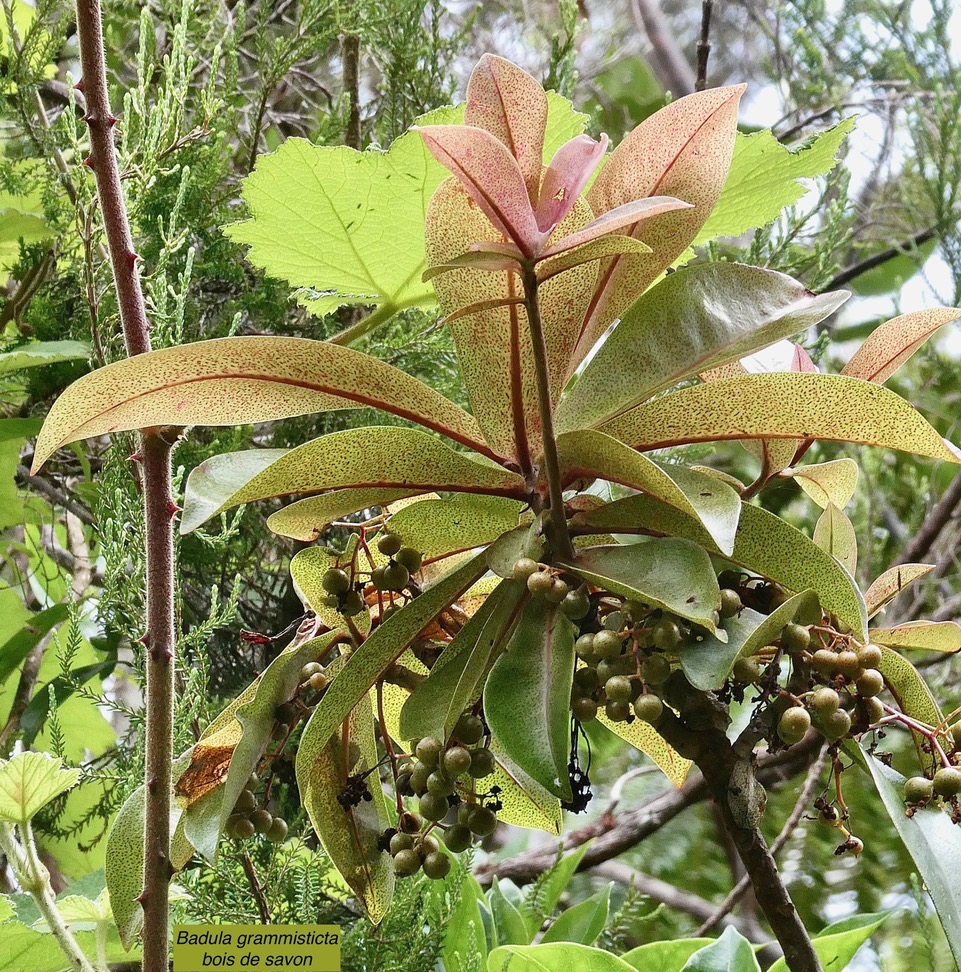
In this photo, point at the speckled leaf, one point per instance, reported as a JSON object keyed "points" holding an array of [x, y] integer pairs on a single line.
{"points": [[684, 151], [384, 645], [646, 739], [891, 344], [29, 781], [782, 405], [349, 836], [438, 527], [764, 544], [235, 381], [553, 957], [456, 679], [675, 575], [591, 453], [944, 636], [306, 519], [527, 695], [507, 549], [494, 345], [307, 569], [911, 693], [894, 580], [597, 249], [708, 663], [835, 535], [694, 320], [231, 748], [371, 457], [828, 482]]}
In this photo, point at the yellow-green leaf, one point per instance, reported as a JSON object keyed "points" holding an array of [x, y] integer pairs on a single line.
{"points": [[828, 482], [835, 535], [891, 583], [29, 781], [308, 518], [911, 693], [944, 636], [645, 738]]}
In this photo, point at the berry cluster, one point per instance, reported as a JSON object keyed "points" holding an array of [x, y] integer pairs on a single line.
{"points": [[249, 817]]}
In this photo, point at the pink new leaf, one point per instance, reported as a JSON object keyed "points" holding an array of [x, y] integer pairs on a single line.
{"points": [[566, 176]]}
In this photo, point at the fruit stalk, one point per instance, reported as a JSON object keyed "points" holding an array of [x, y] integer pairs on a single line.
{"points": [[563, 548], [155, 452]]}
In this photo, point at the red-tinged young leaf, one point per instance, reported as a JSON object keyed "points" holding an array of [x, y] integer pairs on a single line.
{"points": [[683, 150], [891, 583], [473, 260], [306, 519], [490, 174], [697, 319], [891, 344], [835, 535], [597, 249], [468, 310], [567, 174], [782, 405], [943, 636], [506, 101], [241, 380]]}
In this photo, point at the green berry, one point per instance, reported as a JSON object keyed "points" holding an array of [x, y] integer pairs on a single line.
{"points": [[584, 645], [406, 863], [586, 679], [558, 591], [409, 823], [428, 751], [576, 605], [428, 844], [436, 866], [481, 764], [285, 713], [730, 578], [464, 810], [795, 638], [846, 663], [410, 558], [277, 832], [607, 644], [655, 669], [388, 544], [871, 683], [245, 802], [648, 708], [440, 784], [456, 761], [400, 842], [469, 729], [261, 819], [746, 670], [825, 661], [418, 778], [353, 605], [955, 731], [618, 689], [947, 781], [918, 789], [433, 806], [730, 603], [377, 578], [836, 725], [540, 583], [253, 781], [584, 709], [618, 711], [482, 821], [666, 634], [335, 581], [311, 668], [457, 838], [869, 656], [524, 567], [395, 577], [873, 710], [825, 701], [793, 724], [318, 681], [243, 829]]}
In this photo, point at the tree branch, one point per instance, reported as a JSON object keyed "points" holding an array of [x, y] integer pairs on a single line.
{"points": [[667, 59], [854, 271], [704, 45], [932, 526]]}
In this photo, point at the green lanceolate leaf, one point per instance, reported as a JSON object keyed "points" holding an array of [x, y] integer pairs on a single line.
{"points": [[240, 380], [714, 503], [835, 535], [372, 457], [671, 574], [308, 518], [42, 353], [333, 778], [16, 648], [527, 695], [464, 936], [693, 320], [307, 569], [456, 679], [708, 663], [582, 923], [911, 693], [837, 944], [29, 781], [920, 636], [553, 957], [385, 644], [828, 482], [664, 956], [510, 926], [782, 405], [894, 580], [934, 844], [732, 952], [438, 527], [764, 544]]}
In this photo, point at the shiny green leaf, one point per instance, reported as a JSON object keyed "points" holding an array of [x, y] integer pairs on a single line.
{"points": [[664, 956], [510, 926], [837, 944], [29, 781], [553, 957], [732, 952], [42, 353], [583, 922]]}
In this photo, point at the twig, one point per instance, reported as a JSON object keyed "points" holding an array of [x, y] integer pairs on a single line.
{"points": [[704, 45], [854, 271], [932, 526], [57, 495], [668, 61], [263, 907], [350, 53], [155, 450]]}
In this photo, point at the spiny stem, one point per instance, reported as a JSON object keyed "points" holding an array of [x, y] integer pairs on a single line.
{"points": [[563, 547], [158, 499]]}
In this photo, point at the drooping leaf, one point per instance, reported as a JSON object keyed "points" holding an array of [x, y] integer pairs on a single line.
{"points": [[828, 482], [464, 937], [683, 151], [894, 580], [29, 781], [456, 679], [764, 179], [675, 575], [42, 353], [732, 952], [591, 453], [308, 518], [764, 544], [893, 343], [646, 739], [240, 380], [911, 693], [694, 320], [510, 926], [553, 957], [27, 637], [944, 636], [837, 944], [782, 405], [527, 695], [384, 458], [664, 956], [834, 534], [583, 922]]}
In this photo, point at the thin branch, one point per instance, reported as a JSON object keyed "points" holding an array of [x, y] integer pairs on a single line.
{"points": [[59, 497], [932, 526], [704, 45], [350, 53], [667, 59], [256, 889], [876, 260]]}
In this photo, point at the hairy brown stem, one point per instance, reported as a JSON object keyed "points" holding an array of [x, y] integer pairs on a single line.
{"points": [[562, 545], [260, 899], [159, 508]]}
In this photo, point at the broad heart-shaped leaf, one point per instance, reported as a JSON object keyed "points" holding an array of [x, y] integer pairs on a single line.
{"points": [[385, 458], [732, 952], [582, 922], [307, 569], [782, 405], [384, 645], [764, 544], [664, 956], [694, 320], [29, 781], [764, 179], [41, 353], [891, 344], [456, 679], [715, 504], [837, 944], [835, 535], [494, 344], [350, 835], [438, 527], [708, 663], [828, 482], [234, 743], [894, 580], [306, 519], [942, 636], [240, 380], [671, 574], [553, 957], [911, 693], [683, 151], [933, 842], [527, 695]]}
